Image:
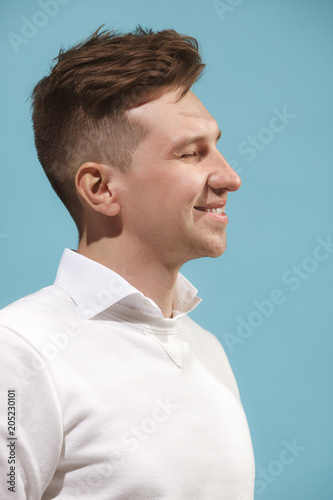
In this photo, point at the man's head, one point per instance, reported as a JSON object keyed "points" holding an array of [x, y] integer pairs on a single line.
{"points": [[80, 109], [130, 149]]}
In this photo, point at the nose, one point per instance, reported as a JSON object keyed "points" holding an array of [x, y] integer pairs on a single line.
{"points": [[222, 176]]}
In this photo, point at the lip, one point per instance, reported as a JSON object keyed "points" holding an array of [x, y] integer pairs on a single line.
{"points": [[213, 204], [222, 218]]}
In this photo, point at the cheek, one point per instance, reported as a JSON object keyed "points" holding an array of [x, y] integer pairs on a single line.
{"points": [[175, 191]]}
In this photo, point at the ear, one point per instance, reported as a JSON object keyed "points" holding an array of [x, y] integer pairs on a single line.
{"points": [[96, 184]]}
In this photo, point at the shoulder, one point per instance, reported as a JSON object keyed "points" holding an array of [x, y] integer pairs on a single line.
{"points": [[38, 307], [209, 352], [32, 317], [196, 333]]}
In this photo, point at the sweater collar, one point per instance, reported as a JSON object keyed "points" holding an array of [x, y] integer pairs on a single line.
{"points": [[95, 288]]}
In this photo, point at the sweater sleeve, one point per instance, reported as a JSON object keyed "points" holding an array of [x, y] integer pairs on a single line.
{"points": [[30, 420]]}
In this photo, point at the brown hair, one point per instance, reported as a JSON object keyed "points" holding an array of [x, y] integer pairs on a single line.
{"points": [[79, 109]]}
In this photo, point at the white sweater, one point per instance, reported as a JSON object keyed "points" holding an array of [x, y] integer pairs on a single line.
{"points": [[118, 404]]}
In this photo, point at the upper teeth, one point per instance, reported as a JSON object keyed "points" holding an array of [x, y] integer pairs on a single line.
{"points": [[215, 210]]}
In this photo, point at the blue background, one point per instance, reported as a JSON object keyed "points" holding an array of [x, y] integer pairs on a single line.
{"points": [[261, 56]]}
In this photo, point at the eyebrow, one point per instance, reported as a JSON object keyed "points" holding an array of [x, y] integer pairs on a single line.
{"points": [[193, 139]]}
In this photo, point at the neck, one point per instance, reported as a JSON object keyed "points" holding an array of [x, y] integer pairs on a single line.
{"points": [[139, 266]]}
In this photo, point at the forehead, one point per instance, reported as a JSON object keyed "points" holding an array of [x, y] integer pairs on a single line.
{"points": [[167, 117]]}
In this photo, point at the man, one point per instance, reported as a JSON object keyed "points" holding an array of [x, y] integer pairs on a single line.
{"points": [[115, 392]]}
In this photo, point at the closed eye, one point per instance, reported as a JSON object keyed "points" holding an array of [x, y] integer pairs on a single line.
{"points": [[188, 155]]}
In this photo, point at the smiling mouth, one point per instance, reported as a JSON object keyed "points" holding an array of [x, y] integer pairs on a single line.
{"points": [[213, 210]]}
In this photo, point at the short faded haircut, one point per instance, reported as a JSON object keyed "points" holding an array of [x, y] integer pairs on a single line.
{"points": [[79, 108]]}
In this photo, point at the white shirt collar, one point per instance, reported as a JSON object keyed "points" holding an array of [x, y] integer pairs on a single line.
{"points": [[94, 288]]}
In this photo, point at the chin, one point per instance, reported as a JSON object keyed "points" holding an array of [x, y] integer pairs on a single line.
{"points": [[217, 252], [213, 251], [217, 248], [212, 247]]}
